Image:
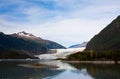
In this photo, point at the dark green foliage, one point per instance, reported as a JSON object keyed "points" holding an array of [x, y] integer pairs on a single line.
{"points": [[107, 39], [79, 56], [104, 46], [107, 55], [107, 43]]}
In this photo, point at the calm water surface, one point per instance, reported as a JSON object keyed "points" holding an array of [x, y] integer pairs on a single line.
{"points": [[56, 70]]}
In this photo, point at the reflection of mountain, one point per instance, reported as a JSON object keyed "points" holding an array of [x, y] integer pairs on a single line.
{"points": [[69, 72], [65, 70], [100, 71], [59, 64], [11, 70]]}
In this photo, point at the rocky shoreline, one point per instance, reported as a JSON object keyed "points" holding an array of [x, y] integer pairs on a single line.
{"points": [[94, 62]]}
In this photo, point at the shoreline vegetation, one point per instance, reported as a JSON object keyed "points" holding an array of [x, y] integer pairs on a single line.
{"points": [[89, 57]]}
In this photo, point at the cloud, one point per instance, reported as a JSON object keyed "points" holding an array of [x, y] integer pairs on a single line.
{"points": [[64, 21], [68, 31]]}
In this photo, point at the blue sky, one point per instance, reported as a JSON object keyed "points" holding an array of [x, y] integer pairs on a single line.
{"points": [[67, 22]]}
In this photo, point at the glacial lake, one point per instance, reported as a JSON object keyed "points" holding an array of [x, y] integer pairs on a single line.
{"points": [[36, 69]]}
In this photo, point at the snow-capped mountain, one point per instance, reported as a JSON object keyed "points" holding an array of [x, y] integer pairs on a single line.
{"points": [[24, 45], [79, 45], [23, 34]]}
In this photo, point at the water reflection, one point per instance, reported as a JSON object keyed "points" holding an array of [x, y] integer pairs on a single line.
{"points": [[13, 70], [57, 70], [101, 71], [70, 72], [59, 65]]}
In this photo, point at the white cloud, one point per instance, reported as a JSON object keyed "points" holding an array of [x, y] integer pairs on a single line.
{"points": [[68, 31], [70, 22]]}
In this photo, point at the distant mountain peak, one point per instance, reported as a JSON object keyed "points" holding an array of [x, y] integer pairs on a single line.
{"points": [[26, 35], [79, 45]]}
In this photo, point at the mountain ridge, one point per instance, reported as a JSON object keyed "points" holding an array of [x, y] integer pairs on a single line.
{"points": [[105, 46], [107, 39], [27, 45]]}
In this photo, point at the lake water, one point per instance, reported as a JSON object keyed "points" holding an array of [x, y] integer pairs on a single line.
{"points": [[57, 70]]}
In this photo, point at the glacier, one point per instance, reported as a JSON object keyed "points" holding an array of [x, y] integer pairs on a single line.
{"points": [[61, 53]]}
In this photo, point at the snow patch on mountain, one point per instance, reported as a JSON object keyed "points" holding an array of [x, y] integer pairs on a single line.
{"points": [[25, 34]]}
